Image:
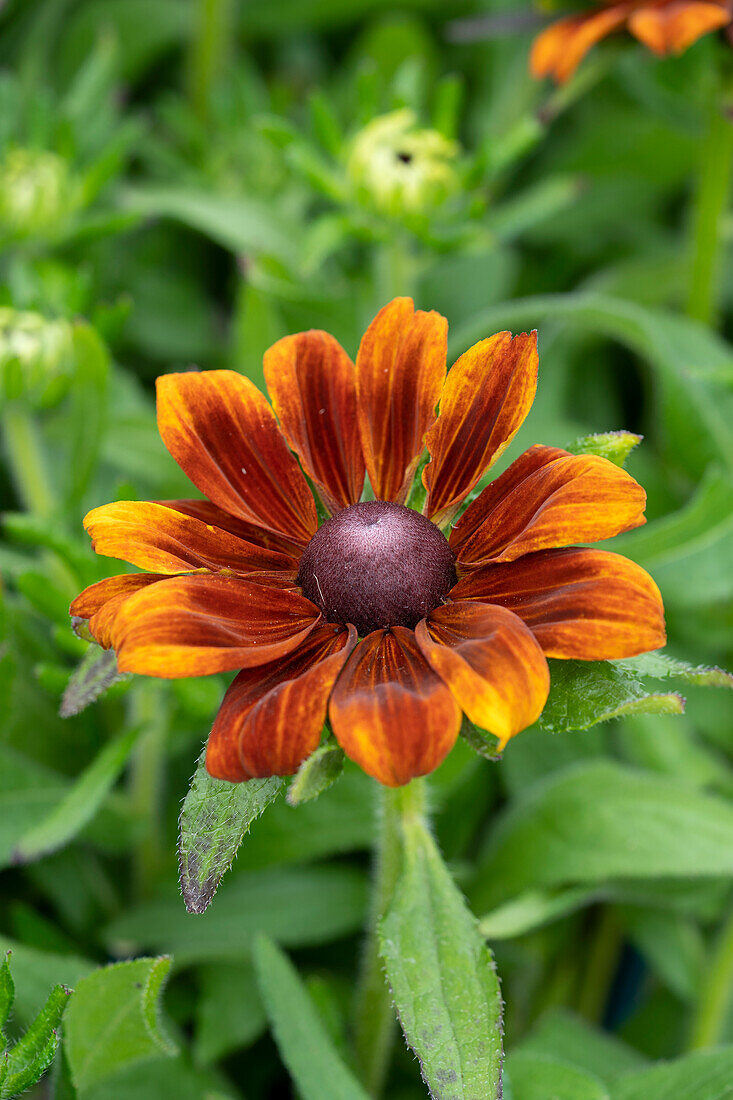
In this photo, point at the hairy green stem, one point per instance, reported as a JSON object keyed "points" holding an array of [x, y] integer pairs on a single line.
{"points": [[709, 208], [149, 707], [27, 461], [602, 964], [208, 50], [716, 993], [374, 1018]]}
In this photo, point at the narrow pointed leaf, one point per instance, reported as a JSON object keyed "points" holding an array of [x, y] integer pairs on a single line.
{"points": [[31, 1056], [214, 819], [30, 1072], [615, 446], [97, 671], [7, 993], [442, 977], [316, 774], [303, 1042]]}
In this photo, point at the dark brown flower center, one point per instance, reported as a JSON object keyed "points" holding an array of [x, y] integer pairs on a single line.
{"points": [[377, 564]]}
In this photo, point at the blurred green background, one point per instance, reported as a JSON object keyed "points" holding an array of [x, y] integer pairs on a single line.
{"points": [[184, 182]]}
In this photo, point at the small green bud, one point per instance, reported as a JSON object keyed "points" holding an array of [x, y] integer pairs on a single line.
{"points": [[37, 193], [36, 358], [399, 169]]}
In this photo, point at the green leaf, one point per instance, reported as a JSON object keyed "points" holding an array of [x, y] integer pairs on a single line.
{"points": [[539, 1077], [316, 774], [532, 910], [31, 1056], [596, 821], [615, 446], [7, 995], [229, 1011], [214, 819], [661, 667], [302, 1040], [561, 1034], [583, 693], [81, 802], [442, 976], [87, 412], [34, 970], [706, 1075], [296, 906], [96, 672], [671, 944], [113, 1020]]}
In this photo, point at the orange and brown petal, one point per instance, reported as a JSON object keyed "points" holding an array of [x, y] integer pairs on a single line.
{"points": [[100, 602], [491, 662], [674, 27], [223, 434], [250, 532], [400, 370], [271, 717], [197, 625], [486, 397], [559, 49], [589, 605], [547, 499], [312, 385], [158, 538], [390, 712]]}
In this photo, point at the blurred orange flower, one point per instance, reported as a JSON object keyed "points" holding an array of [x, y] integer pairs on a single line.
{"points": [[375, 619], [665, 26]]}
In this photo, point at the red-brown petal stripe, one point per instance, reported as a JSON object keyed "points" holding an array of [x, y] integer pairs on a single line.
{"points": [[400, 369], [157, 538], [390, 712], [312, 386], [558, 51], [674, 27], [250, 532], [271, 717], [491, 662], [487, 395], [547, 499], [196, 625], [100, 602], [224, 436], [586, 604]]}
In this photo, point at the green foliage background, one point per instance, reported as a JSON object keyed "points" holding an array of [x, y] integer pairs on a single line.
{"points": [[176, 188]]}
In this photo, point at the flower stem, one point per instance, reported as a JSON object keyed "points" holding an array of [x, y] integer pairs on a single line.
{"points": [[709, 209], [27, 462], [716, 993], [149, 707], [208, 47], [374, 1017], [601, 967]]}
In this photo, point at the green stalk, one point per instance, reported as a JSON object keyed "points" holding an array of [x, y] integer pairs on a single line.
{"points": [[601, 967], [27, 461], [709, 209], [208, 50], [149, 708], [374, 1024], [716, 993]]}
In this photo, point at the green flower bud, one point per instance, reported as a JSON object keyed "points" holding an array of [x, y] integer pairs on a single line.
{"points": [[399, 169], [36, 358], [37, 193]]}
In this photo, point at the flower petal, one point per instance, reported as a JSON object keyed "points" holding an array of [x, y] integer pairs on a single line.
{"points": [[490, 661], [312, 385], [154, 536], [224, 436], [271, 717], [193, 626], [100, 602], [586, 604], [390, 712], [487, 395], [559, 49], [250, 532], [400, 371], [546, 499], [674, 27]]}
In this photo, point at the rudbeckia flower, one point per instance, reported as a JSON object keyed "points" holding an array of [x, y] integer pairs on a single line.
{"points": [[664, 26], [375, 619]]}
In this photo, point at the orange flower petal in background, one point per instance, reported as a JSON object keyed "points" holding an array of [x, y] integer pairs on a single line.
{"points": [[491, 662], [196, 625], [250, 532], [271, 718], [224, 436], [584, 604], [487, 395], [100, 602], [400, 370], [390, 712], [311, 382], [559, 49], [546, 499], [155, 537], [673, 27]]}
